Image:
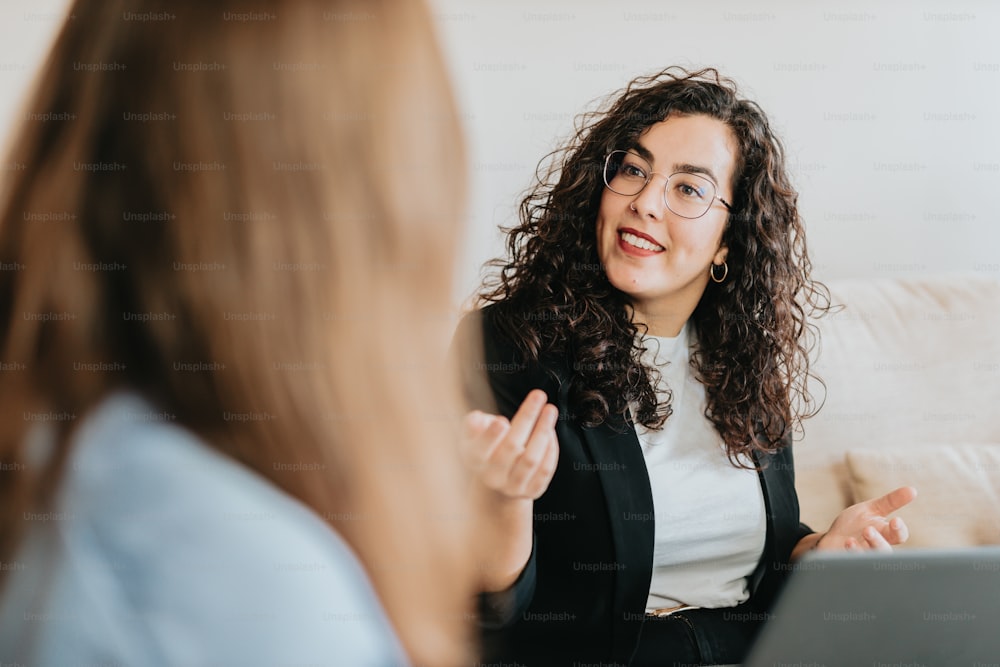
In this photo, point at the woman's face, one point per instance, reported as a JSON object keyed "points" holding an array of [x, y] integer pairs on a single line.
{"points": [[668, 272]]}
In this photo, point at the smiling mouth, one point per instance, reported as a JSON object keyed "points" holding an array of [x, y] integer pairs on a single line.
{"points": [[639, 242]]}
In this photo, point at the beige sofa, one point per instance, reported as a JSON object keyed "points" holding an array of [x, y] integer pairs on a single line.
{"points": [[912, 374]]}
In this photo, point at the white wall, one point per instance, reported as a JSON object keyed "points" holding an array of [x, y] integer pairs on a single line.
{"points": [[890, 111], [27, 28]]}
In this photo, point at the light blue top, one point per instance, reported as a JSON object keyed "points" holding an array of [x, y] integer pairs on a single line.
{"points": [[161, 551]]}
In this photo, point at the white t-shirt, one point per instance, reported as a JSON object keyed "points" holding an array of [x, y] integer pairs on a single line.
{"points": [[709, 514]]}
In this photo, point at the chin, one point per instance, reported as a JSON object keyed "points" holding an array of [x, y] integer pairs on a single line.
{"points": [[625, 285]]}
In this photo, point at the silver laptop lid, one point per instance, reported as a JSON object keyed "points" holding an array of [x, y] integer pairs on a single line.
{"points": [[912, 608]]}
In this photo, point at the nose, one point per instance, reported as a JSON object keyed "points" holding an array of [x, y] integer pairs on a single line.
{"points": [[649, 201]]}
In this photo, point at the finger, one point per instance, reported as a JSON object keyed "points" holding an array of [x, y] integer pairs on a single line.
{"points": [[851, 544], [527, 415], [480, 446], [896, 532], [495, 471], [504, 454], [534, 451], [474, 423], [893, 500], [543, 476], [523, 421], [875, 540]]}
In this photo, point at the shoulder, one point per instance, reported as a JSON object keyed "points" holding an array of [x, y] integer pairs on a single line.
{"points": [[486, 332], [212, 561], [495, 368], [480, 331]]}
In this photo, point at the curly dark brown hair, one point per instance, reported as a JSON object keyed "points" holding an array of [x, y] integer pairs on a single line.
{"points": [[754, 338]]}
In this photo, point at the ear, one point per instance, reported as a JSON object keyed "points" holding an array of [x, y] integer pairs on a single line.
{"points": [[720, 255]]}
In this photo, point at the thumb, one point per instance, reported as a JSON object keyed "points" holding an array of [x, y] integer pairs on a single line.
{"points": [[893, 500]]}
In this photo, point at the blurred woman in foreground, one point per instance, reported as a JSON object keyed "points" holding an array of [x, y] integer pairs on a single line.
{"points": [[207, 397]]}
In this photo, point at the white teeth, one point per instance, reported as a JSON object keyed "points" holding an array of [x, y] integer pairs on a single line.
{"points": [[632, 239]]}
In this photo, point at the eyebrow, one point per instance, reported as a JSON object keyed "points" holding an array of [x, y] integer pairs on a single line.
{"points": [[690, 168]]}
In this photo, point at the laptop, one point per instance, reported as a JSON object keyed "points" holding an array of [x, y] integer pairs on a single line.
{"points": [[909, 608]]}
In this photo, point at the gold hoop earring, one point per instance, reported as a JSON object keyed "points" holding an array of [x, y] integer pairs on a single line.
{"points": [[725, 272]]}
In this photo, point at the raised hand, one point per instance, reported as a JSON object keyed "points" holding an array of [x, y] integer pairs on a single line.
{"points": [[866, 526], [516, 458], [514, 462]]}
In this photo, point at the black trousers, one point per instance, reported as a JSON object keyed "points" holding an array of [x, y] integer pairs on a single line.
{"points": [[699, 637]]}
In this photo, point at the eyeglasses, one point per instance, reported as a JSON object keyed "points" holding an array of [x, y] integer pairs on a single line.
{"points": [[686, 194]]}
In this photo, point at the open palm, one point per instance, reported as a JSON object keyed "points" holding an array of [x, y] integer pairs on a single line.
{"points": [[867, 526]]}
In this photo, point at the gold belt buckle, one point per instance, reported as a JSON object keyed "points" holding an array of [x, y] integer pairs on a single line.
{"points": [[663, 612]]}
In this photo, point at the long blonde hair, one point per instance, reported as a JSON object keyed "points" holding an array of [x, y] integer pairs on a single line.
{"points": [[249, 214]]}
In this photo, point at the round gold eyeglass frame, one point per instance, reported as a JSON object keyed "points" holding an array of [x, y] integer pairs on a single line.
{"points": [[649, 173]]}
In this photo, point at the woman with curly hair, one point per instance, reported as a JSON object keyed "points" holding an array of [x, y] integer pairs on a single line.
{"points": [[646, 346]]}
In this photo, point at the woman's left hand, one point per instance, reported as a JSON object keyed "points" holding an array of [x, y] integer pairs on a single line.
{"points": [[865, 526]]}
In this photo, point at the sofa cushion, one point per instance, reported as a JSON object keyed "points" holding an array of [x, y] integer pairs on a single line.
{"points": [[958, 490], [907, 361]]}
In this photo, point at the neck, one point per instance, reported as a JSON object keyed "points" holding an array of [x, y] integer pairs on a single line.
{"points": [[661, 323]]}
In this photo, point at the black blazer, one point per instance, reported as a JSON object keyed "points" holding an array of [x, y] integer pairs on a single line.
{"points": [[582, 596]]}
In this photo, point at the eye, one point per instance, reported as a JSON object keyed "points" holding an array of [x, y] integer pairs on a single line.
{"points": [[689, 188], [632, 170]]}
